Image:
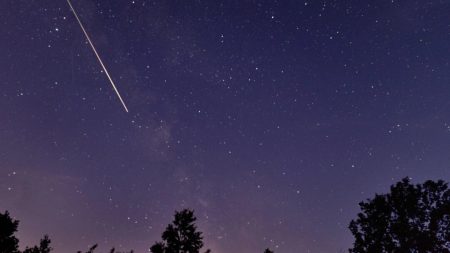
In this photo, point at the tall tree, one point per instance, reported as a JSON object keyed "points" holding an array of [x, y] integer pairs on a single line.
{"points": [[8, 226], [181, 236], [411, 218]]}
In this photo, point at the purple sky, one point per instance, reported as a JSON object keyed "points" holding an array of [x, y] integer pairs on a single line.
{"points": [[272, 119]]}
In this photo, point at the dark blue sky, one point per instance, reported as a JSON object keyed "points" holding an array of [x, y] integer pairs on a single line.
{"points": [[272, 119]]}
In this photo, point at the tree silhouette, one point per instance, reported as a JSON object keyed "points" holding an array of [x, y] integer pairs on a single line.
{"points": [[113, 250], [44, 246], [411, 218], [91, 249], [268, 251], [181, 236], [8, 242]]}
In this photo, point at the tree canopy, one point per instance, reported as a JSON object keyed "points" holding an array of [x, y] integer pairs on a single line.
{"points": [[181, 236], [8, 226], [411, 218], [44, 246], [9, 242]]}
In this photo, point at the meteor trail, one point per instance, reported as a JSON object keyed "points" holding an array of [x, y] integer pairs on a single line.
{"points": [[98, 56]]}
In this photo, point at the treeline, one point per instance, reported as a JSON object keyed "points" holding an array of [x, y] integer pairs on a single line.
{"points": [[181, 236], [9, 242], [410, 218]]}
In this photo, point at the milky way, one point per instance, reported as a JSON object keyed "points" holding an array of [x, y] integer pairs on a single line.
{"points": [[272, 119]]}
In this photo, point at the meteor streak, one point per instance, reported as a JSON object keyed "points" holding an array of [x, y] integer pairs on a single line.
{"points": [[98, 56]]}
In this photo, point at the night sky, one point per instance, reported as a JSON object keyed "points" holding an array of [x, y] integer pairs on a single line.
{"points": [[271, 119]]}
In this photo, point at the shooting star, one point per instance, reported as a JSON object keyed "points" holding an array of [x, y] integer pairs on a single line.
{"points": [[98, 56]]}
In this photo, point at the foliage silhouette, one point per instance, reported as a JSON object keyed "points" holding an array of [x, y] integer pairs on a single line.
{"points": [[113, 250], [91, 249], [411, 218], [44, 246], [181, 236], [8, 242]]}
